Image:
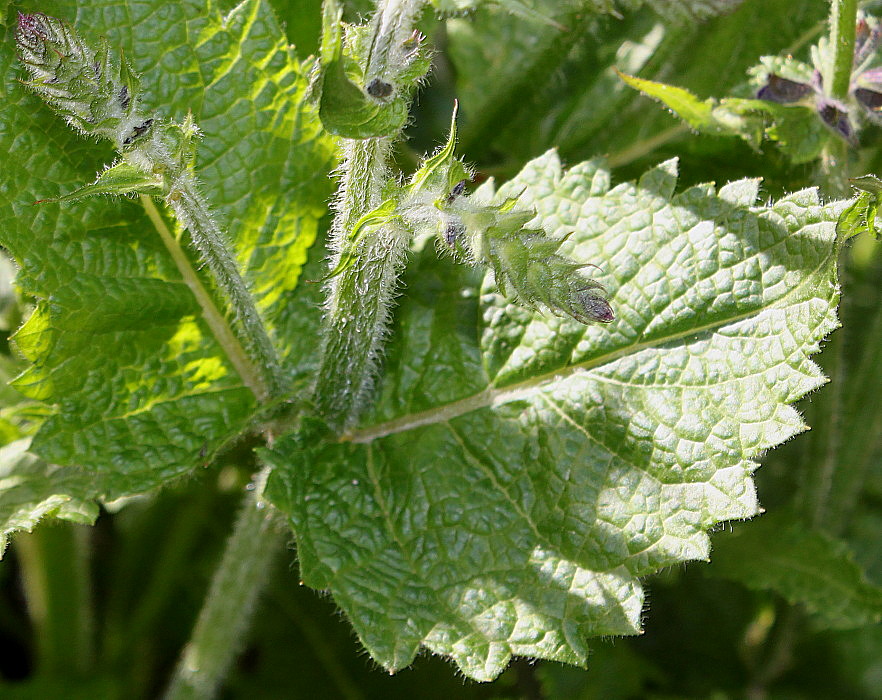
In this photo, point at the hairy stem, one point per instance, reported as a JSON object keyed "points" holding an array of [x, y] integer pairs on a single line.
{"points": [[221, 330], [843, 17], [208, 238], [826, 436], [226, 613], [191, 208], [359, 298]]}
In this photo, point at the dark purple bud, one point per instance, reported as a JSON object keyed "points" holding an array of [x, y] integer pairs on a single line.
{"points": [[783, 90], [138, 131], [586, 301], [870, 99], [31, 29], [590, 306], [835, 115], [457, 190], [454, 230]]}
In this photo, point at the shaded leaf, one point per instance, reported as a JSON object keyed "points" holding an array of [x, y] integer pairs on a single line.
{"points": [[780, 553]]}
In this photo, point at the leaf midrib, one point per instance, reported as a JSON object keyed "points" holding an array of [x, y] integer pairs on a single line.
{"points": [[493, 396]]}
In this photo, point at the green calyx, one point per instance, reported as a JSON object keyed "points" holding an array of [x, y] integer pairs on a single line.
{"points": [[353, 101]]}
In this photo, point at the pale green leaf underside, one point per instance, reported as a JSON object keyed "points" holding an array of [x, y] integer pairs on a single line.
{"points": [[117, 343], [510, 505], [31, 489], [805, 566]]}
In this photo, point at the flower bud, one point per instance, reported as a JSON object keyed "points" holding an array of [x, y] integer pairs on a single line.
{"points": [[80, 82]]}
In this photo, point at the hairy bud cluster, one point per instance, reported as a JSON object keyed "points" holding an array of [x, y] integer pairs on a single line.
{"points": [[525, 261], [96, 95]]}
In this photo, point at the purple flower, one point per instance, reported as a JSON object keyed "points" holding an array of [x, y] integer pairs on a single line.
{"points": [[865, 89]]}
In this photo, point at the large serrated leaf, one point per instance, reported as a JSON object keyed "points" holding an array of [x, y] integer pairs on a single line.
{"points": [[117, 343], [517, 478]]}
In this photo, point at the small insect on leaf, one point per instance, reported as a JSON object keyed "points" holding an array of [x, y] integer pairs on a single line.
{"points": [[457, 190], [138, 131], [379, 88]]}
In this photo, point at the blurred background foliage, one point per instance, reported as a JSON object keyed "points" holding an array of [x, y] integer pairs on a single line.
{"points": [[524, 86]]}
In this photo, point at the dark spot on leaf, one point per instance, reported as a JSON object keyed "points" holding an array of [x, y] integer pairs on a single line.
{"points": [[124, 97]]}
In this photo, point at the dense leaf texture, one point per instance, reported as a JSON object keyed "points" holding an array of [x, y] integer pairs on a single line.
{"points": [[516, 478], [117, 342]]}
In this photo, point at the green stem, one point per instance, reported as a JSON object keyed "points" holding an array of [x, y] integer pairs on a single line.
{"points": [[359, 299], [834, 168], [860, 435], [843, 19], [226, 614], [645, 146], [837, 81], [144, 587], [55, 577]]}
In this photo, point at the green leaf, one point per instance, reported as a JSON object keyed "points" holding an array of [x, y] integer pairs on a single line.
{"points": [[31, 489], [520, 473], [795, 128], [143, 391], [780, 553], [118, 179], [860, 216], [585, 109]]}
